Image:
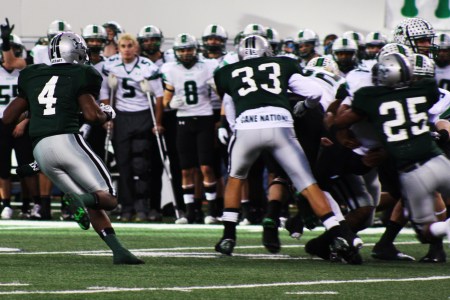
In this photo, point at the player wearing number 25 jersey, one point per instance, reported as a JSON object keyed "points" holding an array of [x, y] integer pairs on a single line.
{"points": [[398, 110]]}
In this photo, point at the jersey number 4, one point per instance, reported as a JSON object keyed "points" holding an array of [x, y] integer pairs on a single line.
{"points": [[252, 87], [46, 96], [393, 128]]}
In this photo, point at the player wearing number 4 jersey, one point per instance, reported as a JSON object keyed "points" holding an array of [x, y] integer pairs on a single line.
{"points": [[55, 95], [258, 85]]}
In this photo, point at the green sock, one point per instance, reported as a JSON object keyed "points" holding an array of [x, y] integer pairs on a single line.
{"points": [[120, 254]]}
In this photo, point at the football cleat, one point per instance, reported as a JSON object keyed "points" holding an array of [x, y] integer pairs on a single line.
{"points": [[36, 212], [211, 220], [341, 251], [245, 222], [270, 235], [295, 226], [225, 246], [318, 247], [78, 210], [7, 213], [436, 254], [154, 216], [181, 220], [389, 252]]}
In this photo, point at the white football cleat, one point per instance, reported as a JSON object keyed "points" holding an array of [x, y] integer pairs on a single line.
{"points": [[7, 213]]}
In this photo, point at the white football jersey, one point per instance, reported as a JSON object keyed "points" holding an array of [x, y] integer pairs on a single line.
{"points": [[443, 77], [329, 82], [8, 88], [192, 85], [40, 54], [440, 107], [129, 96]]}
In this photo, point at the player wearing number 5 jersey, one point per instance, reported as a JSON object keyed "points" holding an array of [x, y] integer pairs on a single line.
{"points": [[132, 132], [258, 85], [398, 110], [55, 95], [186, 90]]}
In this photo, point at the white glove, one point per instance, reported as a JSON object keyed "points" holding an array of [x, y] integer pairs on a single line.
{"points": [[222, 134], [112, 81], [177, 102], [108, 110], [84, 130], [300, 109], [145, 86]]}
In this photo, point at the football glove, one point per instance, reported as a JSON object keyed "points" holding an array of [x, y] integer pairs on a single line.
{"points": [[222, 134], [145, 86], [177, 102], [112, 81], [6, 31], [108, 110], [300, 109]]}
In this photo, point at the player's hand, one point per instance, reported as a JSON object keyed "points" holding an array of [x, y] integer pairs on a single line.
{"points": [[112, 81], [177, 102], [222, 134], [158, 129], [300, 109], [6, 29], [145, 86], [108, 110]]}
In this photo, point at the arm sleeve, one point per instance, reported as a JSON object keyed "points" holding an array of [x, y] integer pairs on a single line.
{"points": [[307, 88], [93, 84]]}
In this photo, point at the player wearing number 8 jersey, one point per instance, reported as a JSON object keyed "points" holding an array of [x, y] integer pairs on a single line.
{"points": [[186, 90], [258, 85]]}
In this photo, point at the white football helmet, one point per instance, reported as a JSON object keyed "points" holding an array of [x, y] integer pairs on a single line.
{"points": [[423, 66], [185, 41], [254, 46], [67, 47], [216, 31], [17, 46], [254, 29], [150, 32], [308, 36], [442, 58], [393, 70], [410, 30], [274, 39], [92, 31], [114, 26], [324, 62], [397, 48], [345, 45], [57, 27], [443, 40], [358, 37]]}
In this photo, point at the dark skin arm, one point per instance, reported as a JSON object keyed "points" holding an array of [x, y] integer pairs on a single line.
{"points": [[14, 110], [91, 111]]}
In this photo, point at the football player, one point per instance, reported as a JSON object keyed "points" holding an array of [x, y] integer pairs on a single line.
{"points": [[307, 41], [443, 60], [59, 149], [188, 91], [374, 42], [263, 114], [397, 97], [345, 54], [113, 30]]}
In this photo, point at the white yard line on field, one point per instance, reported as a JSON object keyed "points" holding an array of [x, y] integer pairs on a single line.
{"points": [[98, 289]]}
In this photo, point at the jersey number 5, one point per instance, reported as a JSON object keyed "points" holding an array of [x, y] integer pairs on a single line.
{"points": [[46, 96], [252, 87], [393, 128]]}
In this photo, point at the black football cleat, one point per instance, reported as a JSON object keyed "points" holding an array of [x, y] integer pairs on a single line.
{"points": [[389, 252], [225, 246], [270, 235]]}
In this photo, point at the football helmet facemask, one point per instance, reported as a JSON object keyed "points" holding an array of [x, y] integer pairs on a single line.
{"points": [[217, 32], [418, 34], [155, 34], [94, 32], [68, 47], [345, 45], [393, 70], [254, 46], [374, 42], [185, 49]]}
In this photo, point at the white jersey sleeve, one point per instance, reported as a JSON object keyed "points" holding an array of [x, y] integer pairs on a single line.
{"points": [[305, 87], [40, 54], [440, 107]]}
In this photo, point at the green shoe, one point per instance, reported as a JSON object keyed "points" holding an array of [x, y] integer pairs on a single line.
{"points": [[270, 235], [78, 210]]}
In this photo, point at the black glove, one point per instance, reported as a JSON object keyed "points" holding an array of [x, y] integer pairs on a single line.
{"points": [[443, 137], [6, 31]]}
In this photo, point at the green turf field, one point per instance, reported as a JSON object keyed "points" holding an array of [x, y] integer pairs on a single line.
{"points": [[59, 261]]}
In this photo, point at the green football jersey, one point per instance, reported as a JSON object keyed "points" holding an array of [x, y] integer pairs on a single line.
{"points": [[257, 82], [400, 116], [52, 93]]}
